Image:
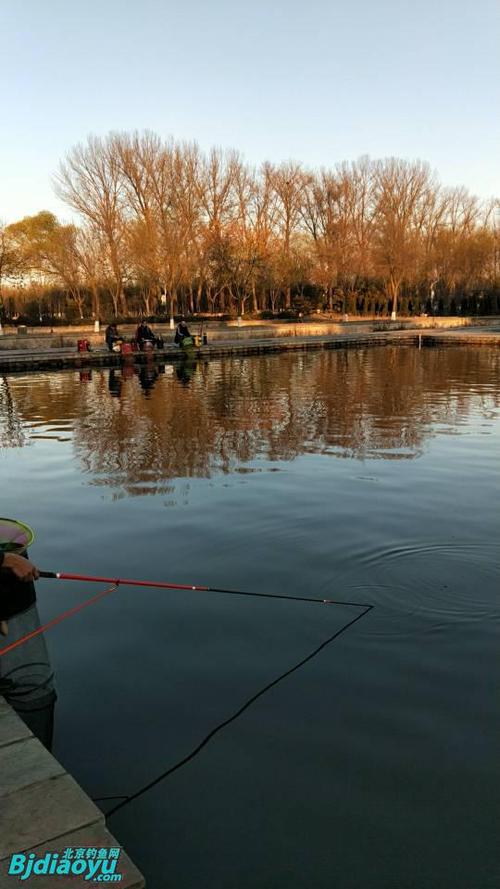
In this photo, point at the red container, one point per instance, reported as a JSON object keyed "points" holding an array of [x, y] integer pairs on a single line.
{"points": [[126, 348], [83, 346]]}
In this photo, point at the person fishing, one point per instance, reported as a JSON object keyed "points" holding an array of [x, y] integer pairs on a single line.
{"points": [[17, 591], [26, 679], [112, 336], [181, 332], [144, 334]]}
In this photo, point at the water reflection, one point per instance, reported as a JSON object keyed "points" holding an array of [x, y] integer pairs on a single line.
{"points": [[12, 433], [185, 370], [148, 374], [136, 428], [26, 674], [417, 537], [115, 383]]}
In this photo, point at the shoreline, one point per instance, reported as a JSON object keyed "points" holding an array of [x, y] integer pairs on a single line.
{"points": [[59, 358], [34, 781]]}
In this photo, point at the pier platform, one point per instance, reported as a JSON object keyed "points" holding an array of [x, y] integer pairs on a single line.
{"points": [[67, 357], [43, 810]]}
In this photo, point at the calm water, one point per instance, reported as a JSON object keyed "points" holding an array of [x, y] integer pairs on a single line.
{"points": [[367, 476]]}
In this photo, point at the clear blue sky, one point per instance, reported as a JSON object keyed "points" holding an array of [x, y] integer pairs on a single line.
{"points": [[319, 81]]}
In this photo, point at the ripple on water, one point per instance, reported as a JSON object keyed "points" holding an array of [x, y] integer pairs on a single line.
{"points": [[450, 581]]}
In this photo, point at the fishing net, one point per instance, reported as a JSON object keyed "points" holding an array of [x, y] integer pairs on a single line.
{"points": [[27, 678], [15, 536]]}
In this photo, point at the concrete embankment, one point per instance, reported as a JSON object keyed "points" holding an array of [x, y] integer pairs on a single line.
{"points": [[310, 323], [60, 358], [42, 338], [43, 810]]}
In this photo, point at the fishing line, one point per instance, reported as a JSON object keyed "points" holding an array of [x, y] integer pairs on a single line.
{"points": [[194, 753], [116, 582], [56, 620], [101, 799]]}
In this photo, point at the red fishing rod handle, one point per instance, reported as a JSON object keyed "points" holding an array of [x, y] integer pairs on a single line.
{"points": [[121, 581]]}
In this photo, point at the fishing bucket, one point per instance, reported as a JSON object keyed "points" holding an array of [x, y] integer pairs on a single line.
{"points": [[83, 346], [197, 340], [187, 342], [147, 346]]}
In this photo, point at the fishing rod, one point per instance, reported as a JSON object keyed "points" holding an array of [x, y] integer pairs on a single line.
{"points": [[115, 582], [156, 584]]}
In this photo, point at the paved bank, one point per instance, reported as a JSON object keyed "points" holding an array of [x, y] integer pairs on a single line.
{"points": [[43, 809], [60, 358]]}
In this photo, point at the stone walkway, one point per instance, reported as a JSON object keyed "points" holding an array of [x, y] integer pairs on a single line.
{"points": [[43, 809], [59, 358]]}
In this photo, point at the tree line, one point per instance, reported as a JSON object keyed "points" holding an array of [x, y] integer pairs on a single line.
{"points": [[165, 228]]}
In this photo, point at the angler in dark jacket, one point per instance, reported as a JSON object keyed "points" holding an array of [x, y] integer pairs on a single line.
{"points": [[112, 336], [181, 332], [17, 590], [144, 334]]}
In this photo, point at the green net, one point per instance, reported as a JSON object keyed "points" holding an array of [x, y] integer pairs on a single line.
{"points": [[15, 536]]}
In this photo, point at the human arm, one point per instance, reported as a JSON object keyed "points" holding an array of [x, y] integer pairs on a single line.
{"points": [[21, 567]]}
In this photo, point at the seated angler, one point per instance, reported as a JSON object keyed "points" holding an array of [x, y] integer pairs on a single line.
{"points": [[112, 336], [181, 332], [144, 334]]}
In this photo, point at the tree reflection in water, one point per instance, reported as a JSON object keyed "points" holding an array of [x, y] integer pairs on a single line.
{"points": [[12, 433], [202, 418]]}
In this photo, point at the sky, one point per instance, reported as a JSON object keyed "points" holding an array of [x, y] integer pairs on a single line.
{"points": [[319, 81]]}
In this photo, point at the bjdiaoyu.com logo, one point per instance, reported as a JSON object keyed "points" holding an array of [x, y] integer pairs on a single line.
{"points": [[99, 867]]}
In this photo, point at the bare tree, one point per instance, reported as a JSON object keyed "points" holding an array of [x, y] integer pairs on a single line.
{"points": [[92, 256], [90, 181], [11, 261], [401, 188], [207, 230], [288, 184]]}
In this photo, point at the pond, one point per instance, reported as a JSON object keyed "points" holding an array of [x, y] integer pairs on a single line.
{"points": [[367, 476]]}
